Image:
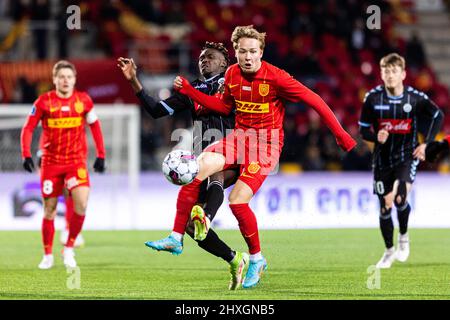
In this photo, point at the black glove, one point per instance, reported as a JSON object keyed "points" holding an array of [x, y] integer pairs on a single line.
{"points": [[28, 164], [435, 150], [99, 165]]}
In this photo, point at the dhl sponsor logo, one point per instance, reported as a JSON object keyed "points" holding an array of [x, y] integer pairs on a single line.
{"points": [[64, 122], [252, 107]]}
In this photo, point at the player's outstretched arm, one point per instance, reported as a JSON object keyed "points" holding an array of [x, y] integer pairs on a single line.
{"points": [[26, 136], [292, 90], [435, 126], [151, 106], [129, 68], [435, 149], [96, 130], [213, 103], [429, 110], [343, 138]]}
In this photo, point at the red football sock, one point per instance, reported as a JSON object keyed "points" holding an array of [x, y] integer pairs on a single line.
{"points": [[48, 231], [69, 210], [75, 227], [187, 197], [248, 226]]}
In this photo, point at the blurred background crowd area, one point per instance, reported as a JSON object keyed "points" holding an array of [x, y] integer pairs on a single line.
{"points": [[326, 45]]}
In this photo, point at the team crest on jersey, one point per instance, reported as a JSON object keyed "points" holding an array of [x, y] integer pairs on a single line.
{"points": [[407, 107], [253, 167], [79, 106], [263, 89], [82, 174]]}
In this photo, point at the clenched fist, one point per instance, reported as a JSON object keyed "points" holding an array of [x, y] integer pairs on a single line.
{"points": [[382, 136]]}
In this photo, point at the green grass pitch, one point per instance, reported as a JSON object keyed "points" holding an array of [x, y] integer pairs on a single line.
{"points": [[302, 264]]}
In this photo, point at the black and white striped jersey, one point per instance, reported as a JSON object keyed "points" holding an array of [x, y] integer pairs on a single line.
{"points": [[402, 116], [208, 126]]}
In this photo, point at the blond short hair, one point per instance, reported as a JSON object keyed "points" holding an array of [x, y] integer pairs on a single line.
{"points": [[61, 64], [393, 59], [247, 32]]}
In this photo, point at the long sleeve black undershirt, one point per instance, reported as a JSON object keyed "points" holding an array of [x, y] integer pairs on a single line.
{"points": [[367, 134], [150, 105], [435, 127]]}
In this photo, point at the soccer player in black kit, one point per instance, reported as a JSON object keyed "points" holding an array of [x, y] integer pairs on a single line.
{"points": [[390, 118], [208, 127]]}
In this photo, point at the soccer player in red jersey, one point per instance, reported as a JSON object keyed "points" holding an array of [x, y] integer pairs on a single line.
{"points": [[64, 113], [256, 90], [69, 206], [435, 149]]}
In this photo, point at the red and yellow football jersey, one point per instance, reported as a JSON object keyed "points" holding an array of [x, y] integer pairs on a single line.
{"points": [[259, 101], [63, 122], [255, 97], [259, 98]]}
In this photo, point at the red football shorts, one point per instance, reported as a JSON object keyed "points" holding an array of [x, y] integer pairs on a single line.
{"points": [[255, 152], [55, 177]]}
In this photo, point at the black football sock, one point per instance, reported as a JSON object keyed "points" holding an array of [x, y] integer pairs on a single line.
{"points": [[403, 215], [214, 199], [217, 247], [387, 228]]}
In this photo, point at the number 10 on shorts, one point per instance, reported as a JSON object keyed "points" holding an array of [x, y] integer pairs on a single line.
{"points": [[379, 187]]}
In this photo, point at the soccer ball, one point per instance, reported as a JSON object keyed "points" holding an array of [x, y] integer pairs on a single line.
{"points": [[180, 167]]}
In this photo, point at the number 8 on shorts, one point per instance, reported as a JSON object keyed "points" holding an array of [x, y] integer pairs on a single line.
{"points": [[47, 187]]}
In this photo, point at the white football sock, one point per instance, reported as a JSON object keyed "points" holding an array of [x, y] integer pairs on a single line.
{"points": [[255, 257], [177, 236]]}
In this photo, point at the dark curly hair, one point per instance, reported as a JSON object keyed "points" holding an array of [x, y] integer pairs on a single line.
{"points": [[219, 47]]}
